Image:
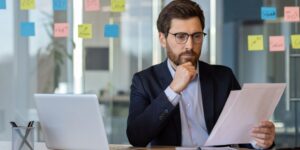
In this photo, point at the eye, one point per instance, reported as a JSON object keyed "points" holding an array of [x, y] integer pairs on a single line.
{"points": [[181, 36], [198, 35]]}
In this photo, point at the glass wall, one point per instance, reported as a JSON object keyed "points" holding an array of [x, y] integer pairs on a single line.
{"points": [[104, 65], [124, 55], [40, 61], [265, 66], [32, 60]]}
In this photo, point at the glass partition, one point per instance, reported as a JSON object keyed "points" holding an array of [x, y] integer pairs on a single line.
{"points": [[242, 19]]}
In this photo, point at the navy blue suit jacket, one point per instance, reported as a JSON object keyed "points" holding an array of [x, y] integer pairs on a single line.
{"points": [[153, 119]]}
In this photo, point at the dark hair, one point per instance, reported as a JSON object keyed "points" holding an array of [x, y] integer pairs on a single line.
{"points": [[180, 9]]}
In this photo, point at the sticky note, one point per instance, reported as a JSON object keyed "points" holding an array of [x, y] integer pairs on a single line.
{"points": [[27, 29], [295, 41], [255, 43], [2, 4], [276, 43], [111, 30], [85, 31], [91, 5], [291, 14], [27, 4], [117, 5], [268, 13], [59, 5], [61, 30]]}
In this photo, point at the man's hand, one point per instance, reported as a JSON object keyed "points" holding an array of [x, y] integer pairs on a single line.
{"points": [[264, 134], [184, 74]]}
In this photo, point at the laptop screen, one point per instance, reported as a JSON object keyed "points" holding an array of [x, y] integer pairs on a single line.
{"points": [[71, 121]]}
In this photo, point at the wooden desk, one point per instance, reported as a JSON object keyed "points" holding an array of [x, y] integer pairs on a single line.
{"points": [[129, 147], [6, 145]]}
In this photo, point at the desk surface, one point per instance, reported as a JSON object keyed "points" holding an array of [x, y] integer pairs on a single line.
{"points": [[6, 145]]}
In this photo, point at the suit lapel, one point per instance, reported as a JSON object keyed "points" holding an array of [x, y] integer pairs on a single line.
{"points": [[164, 74], [207, 90]]}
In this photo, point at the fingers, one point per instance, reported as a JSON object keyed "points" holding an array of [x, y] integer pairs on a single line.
{"points": [[264, 127], [263, 143], [262, 130], [188, 70], [189, 66], [264, 134], [184, 74], [266, 124]]}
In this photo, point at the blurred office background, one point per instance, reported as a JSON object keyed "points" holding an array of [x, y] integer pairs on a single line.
{"points": [[104, 66]]}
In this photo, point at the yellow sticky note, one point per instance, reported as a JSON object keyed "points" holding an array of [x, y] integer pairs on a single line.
{"points": [[295, 41], [27, 4], [85, 31], [117, 5], [255, 43]]}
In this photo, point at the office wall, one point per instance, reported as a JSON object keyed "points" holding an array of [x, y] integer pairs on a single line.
{"points": [[129, 52], [6, 69]]}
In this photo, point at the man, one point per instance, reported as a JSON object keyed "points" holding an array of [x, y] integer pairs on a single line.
{"points": [[179, 101]]}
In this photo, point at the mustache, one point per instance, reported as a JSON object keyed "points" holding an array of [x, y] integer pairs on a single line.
{"points": [[190, 52]]}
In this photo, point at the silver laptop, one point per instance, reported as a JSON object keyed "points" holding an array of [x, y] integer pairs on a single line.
{"points": [[71, 121]]}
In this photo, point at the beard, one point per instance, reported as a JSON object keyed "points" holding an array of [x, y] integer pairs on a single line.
{"points": [[186, 56]]}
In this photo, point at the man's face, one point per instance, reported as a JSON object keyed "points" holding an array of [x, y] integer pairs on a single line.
{"points": [[180, 53]]}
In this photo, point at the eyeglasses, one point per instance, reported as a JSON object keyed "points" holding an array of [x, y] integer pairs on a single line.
{"points": [[182, 37]]}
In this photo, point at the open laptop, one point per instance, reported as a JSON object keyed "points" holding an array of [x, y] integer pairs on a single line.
{"points": [[71, 121]]}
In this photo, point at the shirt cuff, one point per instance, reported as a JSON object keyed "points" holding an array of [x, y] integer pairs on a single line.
{"points": [[253, 143], [173, 97]]}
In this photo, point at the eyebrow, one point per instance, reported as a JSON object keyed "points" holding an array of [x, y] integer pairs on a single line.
{"points": [[187, 32]]}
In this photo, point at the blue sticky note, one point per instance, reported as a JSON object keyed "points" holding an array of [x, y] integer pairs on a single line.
{"points": [[268, 13], [59, 5], [2, 4], [27, 29], [111, 30]]}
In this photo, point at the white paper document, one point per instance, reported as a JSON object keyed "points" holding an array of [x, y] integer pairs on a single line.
{"points": [[243, 110]]}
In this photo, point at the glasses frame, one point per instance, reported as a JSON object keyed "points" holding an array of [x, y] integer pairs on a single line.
{"points": [[188, 36]]}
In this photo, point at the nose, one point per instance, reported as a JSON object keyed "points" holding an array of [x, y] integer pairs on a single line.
{"points": [[189, 43]]}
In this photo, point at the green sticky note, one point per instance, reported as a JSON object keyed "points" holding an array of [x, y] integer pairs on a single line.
{"points": [[255, 43], [27, 4], [295, 41], [85, 31], [117, 5]]}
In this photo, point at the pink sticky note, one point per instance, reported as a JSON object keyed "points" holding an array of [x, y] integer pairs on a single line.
{"points": [[276, 43], [291, 14], [61, 30], [92, 5]]}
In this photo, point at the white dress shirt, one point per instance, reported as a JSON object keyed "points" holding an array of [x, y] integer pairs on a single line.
{"points": [[193, 127]]}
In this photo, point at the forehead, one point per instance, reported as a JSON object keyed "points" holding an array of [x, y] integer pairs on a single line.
{"points": [[189, 25]]}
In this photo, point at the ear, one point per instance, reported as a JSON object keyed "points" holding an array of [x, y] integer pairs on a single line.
{"points": [[162, 40]]}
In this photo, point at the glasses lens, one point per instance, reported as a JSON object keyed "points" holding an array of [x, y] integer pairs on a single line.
{"points": [[181, 37], [198, 37]]}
